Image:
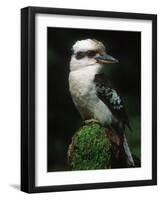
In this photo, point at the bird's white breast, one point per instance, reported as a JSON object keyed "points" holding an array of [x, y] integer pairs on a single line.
{"points": [[83, 91]]}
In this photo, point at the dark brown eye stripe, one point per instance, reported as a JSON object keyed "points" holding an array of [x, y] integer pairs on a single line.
{"points": [[91, 53], [81, 54]]}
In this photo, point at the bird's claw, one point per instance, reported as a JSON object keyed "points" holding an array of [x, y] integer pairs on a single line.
{"points": [[91, 121]]}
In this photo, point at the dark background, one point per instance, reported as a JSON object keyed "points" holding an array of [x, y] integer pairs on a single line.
{"points": [[63, 118]]}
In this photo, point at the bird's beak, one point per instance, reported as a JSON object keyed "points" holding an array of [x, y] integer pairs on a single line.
{"points": [[106, 59]]}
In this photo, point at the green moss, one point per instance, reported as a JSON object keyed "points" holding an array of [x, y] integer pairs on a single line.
{"points": [[90, 148]]}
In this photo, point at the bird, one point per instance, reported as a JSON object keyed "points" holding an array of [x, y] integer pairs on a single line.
{"points": [[95, 98]]}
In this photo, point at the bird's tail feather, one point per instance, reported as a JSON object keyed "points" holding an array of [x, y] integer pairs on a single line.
{"points": [[121, 150], [129, 158]]}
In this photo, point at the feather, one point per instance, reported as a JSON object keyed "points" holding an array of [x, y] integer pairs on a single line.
{"points": [[112, 99]]}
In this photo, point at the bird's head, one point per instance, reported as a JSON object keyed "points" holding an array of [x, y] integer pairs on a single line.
{"points": [[88, 53]]}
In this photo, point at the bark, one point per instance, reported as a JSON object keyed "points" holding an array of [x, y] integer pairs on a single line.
{"points": [[90, 149]]}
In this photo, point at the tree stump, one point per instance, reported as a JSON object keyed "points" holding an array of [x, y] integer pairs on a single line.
{"points": [[90, 148]]}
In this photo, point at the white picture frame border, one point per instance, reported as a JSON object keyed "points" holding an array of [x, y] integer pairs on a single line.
{"points": [[44, 178]]}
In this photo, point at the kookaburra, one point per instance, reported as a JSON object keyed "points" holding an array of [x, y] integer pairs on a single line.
{"points": [[94, 97]]}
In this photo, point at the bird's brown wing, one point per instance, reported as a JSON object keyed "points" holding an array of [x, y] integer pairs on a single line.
{"points": [[111, 98]]}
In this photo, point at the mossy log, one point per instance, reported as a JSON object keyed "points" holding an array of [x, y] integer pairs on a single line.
{"points": [[90, 148]]}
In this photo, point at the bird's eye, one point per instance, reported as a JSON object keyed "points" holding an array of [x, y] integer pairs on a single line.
{"points": [[80, 55], [91, 54]]}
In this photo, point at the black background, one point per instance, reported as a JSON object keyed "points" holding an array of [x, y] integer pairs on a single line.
{"points": [[63, 118]]}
